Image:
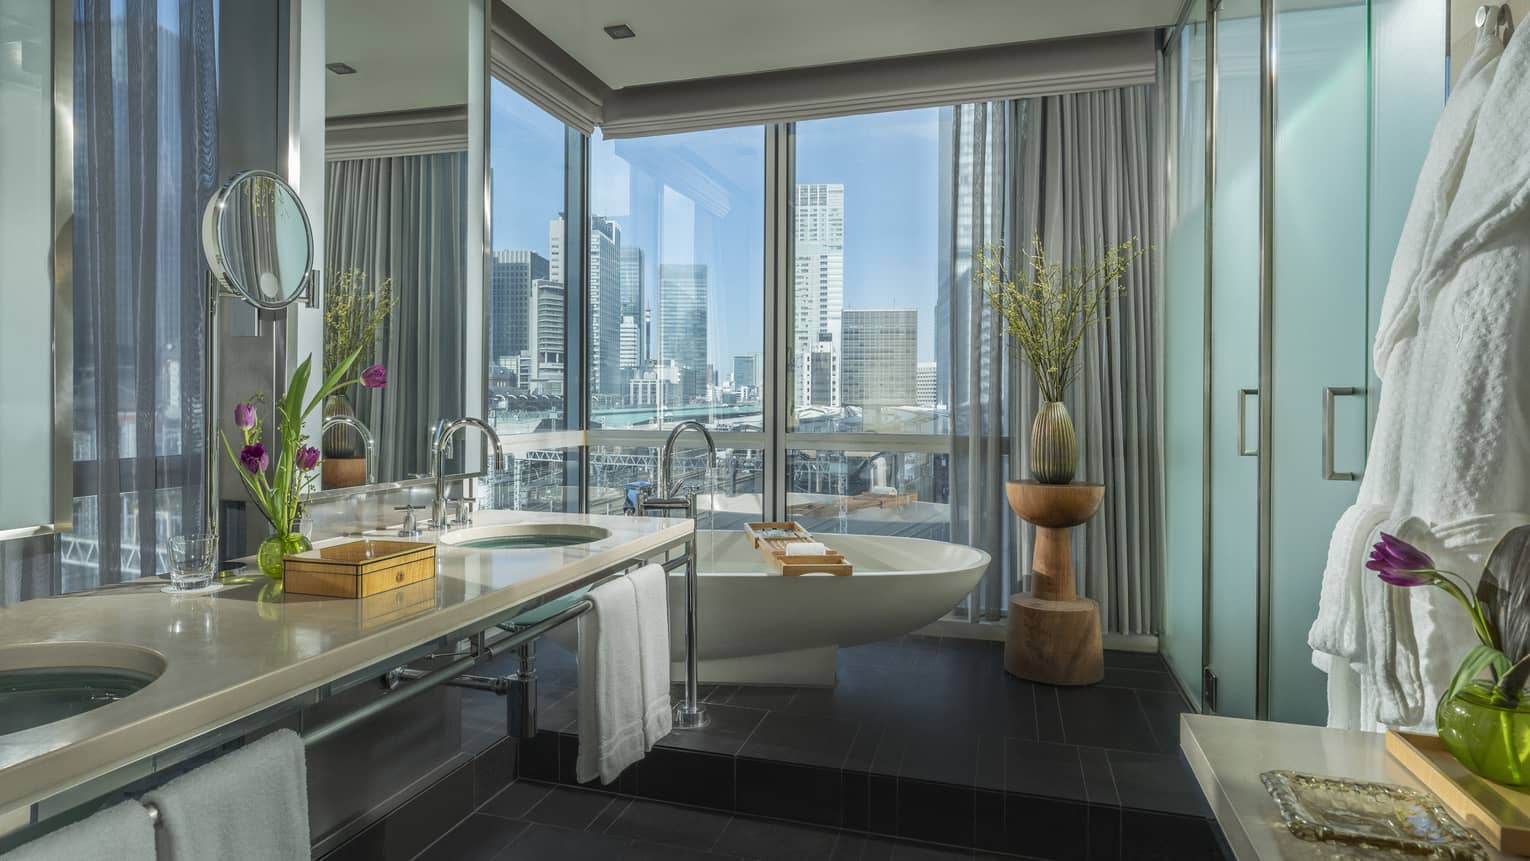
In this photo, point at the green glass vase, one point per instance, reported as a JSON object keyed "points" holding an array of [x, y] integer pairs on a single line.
{"points": [[274, 549], [1492, 741]]}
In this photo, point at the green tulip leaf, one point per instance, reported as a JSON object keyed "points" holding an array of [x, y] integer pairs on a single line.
{"points": [[1504, 593]]}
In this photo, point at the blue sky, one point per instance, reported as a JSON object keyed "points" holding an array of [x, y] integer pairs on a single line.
{"points": [[698, 198]]}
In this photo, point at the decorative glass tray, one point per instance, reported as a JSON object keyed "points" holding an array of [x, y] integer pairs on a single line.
{"points": [[1369, 816]]}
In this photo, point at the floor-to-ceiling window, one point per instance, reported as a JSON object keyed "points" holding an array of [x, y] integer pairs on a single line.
{"points": [[531, 331], [867, 443], [676, 305]]}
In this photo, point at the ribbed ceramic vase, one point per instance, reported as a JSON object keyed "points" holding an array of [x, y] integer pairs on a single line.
{"points": [[1054, 446]]}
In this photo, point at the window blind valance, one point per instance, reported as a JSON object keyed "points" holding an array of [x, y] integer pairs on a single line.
{"points": [[534, 66], [1010, 71], [397, 133]]}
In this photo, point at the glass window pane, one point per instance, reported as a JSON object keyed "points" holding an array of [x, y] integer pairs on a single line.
{"points": [[535, 480], [875, 492], [727, 497], [866, 274], [527, 308], [676, 279]]}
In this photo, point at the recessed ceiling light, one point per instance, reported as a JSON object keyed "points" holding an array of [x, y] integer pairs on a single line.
{"points": [[620, 31], [341, 68]]}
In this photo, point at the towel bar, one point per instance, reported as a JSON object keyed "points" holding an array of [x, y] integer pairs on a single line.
{"points": [[482, 650]]}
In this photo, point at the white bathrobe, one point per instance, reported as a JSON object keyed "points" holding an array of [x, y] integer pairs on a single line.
{"points": [[1466, 432], [1363, 636]]}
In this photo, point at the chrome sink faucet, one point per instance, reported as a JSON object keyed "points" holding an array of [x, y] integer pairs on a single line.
{"points": [[444, 430], [368, 443]]}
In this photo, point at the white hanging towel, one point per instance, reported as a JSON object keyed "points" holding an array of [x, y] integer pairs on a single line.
{"points": [[651, 587], [120, 833], [252, 803], [1339, 635], [623, 674]]}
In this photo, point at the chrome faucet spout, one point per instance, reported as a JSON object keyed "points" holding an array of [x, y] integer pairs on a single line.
{"points": [[444, 430], [666, 462], [368, 442]]}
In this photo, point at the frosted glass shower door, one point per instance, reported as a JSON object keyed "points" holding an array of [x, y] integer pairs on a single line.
{"points": [[1235, 399], [1319, 324], [1184, 353]]}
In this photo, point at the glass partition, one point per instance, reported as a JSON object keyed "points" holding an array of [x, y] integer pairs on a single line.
{"points": [[1184, 259]]}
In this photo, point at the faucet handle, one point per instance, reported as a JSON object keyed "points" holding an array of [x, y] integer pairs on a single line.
{"points": [[411, 526], [465, 505]]}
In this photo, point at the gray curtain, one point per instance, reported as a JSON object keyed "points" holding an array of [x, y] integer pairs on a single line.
{"points": [[145, 162], [405, 218], [1077, 172]]}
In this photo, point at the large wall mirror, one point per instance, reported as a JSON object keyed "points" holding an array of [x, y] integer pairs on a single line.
{"points": [[402, 131], [31, 463]]}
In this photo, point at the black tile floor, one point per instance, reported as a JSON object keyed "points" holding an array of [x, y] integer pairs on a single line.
{"points": [[921, 738], [531, 821]]}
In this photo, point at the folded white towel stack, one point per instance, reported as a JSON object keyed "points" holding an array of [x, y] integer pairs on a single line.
{"points": [[806, 548], [121, 833], [252, 803], [623, 674]]}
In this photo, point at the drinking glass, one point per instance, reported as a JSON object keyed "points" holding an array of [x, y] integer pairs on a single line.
{"points": [[192, 561]]}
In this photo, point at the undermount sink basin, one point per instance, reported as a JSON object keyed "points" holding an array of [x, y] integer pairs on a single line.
{"points": [[525, 536], [45, 682]]}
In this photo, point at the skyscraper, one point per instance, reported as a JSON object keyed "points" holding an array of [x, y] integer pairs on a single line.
{"points": [[683, 324], [548, 339], [630, 360], [878, 363], [749, 370], [605, 298], [510, 277], [926, 389], [819, 280], [605, 306], [632, 300]]}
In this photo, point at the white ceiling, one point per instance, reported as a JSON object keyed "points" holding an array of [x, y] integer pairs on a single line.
{"points": [[684, 39], [408, 54]]}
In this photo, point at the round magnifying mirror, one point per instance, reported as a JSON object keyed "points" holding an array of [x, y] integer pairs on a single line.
{"points": [[257, 239]]}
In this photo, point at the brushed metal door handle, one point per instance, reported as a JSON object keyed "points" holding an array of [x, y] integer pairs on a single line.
{"points": [[1330, 394], [1243, 449]]}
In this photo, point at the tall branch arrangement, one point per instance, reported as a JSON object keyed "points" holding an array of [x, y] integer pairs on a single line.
{"points": [[1047, 308], [353, 314]]}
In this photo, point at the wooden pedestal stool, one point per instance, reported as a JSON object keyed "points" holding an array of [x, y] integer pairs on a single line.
{"points": [[1054, 635]]}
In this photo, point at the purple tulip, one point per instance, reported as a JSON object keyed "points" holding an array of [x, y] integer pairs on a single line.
{"points": [[1399, 563], [307, 457], [374, 377], [254, 458], [244, 416]]}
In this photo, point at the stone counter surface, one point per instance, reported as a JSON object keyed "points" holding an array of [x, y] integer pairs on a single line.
{"points": [[1228, 755], [235, 652]]}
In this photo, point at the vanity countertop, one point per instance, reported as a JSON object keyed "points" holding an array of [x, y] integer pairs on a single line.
{"points": [[1228, 755], [234, 652]]}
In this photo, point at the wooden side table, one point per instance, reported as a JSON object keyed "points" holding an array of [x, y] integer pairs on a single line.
{"points": [[1054, 635]]}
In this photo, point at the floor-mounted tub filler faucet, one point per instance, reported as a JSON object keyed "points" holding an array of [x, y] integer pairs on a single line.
{"points": [[368, 443], [444, 430], [688, 714]]}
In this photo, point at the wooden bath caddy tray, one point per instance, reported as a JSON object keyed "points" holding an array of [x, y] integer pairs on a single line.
{"points": [[1499, 814], [772, 539], [357, 569]]}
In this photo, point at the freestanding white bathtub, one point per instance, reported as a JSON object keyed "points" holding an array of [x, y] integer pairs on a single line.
{"points": [[755, 626]]}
